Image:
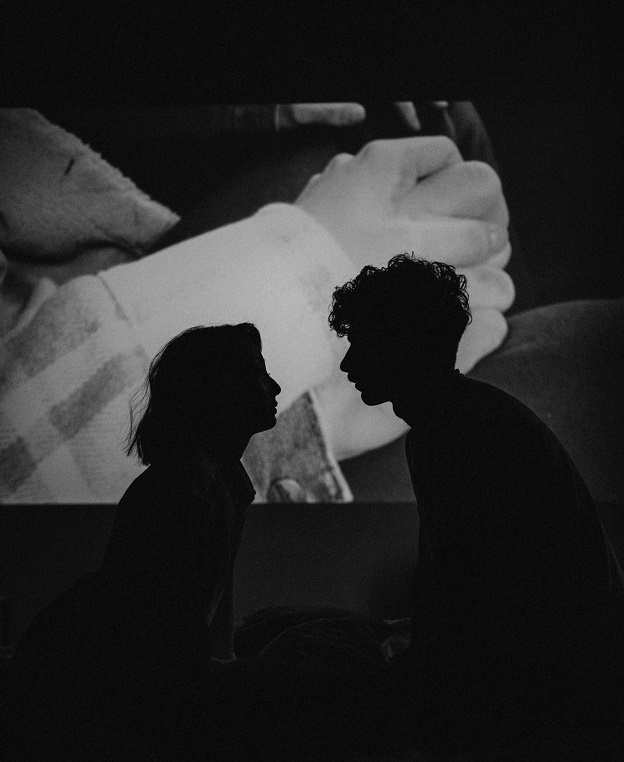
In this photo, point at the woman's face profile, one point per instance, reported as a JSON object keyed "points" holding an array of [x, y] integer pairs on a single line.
{"points": [[255, 394]]}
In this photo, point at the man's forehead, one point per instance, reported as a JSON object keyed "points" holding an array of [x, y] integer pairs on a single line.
{"points": [[374, 333], [253, 350], [363, 330]]}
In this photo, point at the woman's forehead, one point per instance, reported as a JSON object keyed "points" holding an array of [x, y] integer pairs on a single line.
{"points": [[255, 355], [251, 358]]}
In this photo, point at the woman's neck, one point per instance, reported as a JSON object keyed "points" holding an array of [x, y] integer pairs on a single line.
{"points": [[227, 448]]}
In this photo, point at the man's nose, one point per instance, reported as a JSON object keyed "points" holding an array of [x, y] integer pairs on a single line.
{"points": [[278, 388], [346, 360]]}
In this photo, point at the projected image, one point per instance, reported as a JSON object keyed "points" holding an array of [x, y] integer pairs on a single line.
{"points": [[121, 229]]}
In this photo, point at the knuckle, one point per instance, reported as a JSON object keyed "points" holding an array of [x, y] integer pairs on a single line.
{"points": [[445, 143], [339, 159], [372, 149], [485, 175]]}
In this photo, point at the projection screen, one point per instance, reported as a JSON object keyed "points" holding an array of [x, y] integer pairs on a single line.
{"points": [[122, 227]]}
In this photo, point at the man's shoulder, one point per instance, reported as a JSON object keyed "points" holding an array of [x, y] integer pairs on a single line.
{"points": [[478, 398], [481, 389], [468, 405], [486, 417]]}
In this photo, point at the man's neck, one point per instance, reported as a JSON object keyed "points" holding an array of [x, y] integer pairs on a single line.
{"points": [[417, 403]]}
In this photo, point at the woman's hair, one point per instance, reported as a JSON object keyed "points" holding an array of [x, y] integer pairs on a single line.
{"points": [[424, 303], [189, 386]]}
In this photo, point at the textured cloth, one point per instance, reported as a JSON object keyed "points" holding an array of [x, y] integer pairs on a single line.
{"points": [[58, 196], [518, 596], [292, 463]]}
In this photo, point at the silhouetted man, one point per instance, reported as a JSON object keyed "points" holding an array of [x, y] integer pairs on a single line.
{"points": [[518, 598]]}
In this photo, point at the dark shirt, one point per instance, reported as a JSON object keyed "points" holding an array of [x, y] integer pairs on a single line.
{"points": [[117, 659], [517, 586], [159, 611], [172, 549]]}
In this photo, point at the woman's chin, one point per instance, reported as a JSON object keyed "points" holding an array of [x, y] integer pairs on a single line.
{"points": [[372, 398], [271, 420]]}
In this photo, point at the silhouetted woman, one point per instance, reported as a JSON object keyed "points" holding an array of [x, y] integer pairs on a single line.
{"points": [[117, 659]]}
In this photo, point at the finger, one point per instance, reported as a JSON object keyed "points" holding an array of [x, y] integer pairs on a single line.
{"points": [[466, 189], [408, 113], [337, 114], [337, 161], [501, 259], [488, 287], [459, 242], [309, 185], [398, 164]]}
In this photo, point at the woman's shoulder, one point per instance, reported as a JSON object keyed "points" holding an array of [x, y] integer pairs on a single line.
{"points": [[159, 478], [156, 491], [174, 482]]}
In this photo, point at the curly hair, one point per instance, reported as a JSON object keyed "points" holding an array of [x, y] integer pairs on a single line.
{"points": [[188, 386], [422, 302]]}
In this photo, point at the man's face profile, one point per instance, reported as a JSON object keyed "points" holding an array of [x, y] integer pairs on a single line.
{"points": [[374, 362]]}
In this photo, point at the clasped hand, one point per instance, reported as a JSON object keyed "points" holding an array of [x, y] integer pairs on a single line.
{"points": [[411, 194]]}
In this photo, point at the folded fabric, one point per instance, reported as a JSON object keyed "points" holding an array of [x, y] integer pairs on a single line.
{"points": [[58, 196]]}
